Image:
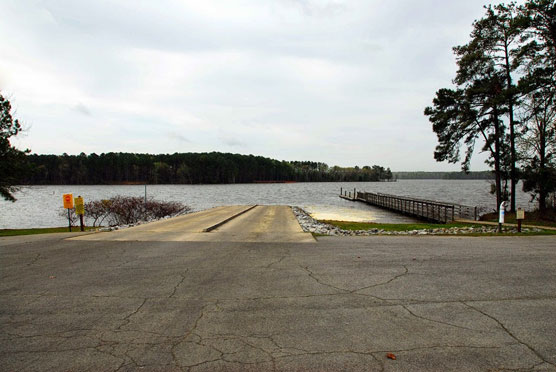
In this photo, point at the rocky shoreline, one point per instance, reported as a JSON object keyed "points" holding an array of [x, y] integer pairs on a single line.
{"points": [[309, 224]]}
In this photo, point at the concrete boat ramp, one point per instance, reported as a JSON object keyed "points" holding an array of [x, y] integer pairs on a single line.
{"points": [[239, 223]]}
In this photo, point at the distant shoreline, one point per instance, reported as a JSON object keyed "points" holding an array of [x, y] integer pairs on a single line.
{"points": [[247, 183], [423, 175]]}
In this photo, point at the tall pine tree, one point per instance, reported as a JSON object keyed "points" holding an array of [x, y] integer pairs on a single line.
{"points": [[13, 162]]}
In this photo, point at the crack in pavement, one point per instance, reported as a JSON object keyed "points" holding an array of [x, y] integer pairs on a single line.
{"points": [[126, 320], [35, 259], [276, 262], [354, 291], [122, 365], [122, 254], [246, 341], [179, 283], [103, 343], [375, 354], [386, 282], [538, 354], [186, 336], [268, 353], [312, 276], [433, 320]]}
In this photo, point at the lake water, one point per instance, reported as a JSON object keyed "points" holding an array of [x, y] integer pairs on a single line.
{"points": [[38, 206]]}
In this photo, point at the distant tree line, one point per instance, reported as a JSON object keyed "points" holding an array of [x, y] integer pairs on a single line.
{"points": [[186, 168], [504, 97], [483, 175]]}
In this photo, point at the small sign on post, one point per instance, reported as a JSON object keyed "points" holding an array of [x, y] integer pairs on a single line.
{"points": [[80, 210], [68, 204], [68, 201], [519, 216]]}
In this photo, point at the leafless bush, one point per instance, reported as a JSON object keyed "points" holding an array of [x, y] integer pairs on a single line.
{"points": [[125, 210], [73, 218], [156, 210], [97, 211]]}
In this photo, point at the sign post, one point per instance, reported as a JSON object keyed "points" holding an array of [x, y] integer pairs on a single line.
{"points": [[80, 210], [68, 204], [519, 216]]}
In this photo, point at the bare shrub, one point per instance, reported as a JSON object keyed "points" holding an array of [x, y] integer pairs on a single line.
{"points": [[72, 216], [97, 211], [125, 210], [156, 210]]}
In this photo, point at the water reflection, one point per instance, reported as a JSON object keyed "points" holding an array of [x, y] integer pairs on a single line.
{"points": [[372, 214]]}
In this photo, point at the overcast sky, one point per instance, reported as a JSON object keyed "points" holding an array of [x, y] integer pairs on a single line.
{"points": [[343, 82]]}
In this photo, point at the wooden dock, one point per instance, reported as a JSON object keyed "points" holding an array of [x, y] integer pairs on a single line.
{"points": [[429, 210]]}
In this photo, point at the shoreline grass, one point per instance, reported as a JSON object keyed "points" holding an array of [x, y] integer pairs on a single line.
{"points": [[531, 218], [349, 225], [399, 227]]}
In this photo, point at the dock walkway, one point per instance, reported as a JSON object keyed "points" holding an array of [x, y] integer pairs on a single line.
{"points": [[424, 209]]}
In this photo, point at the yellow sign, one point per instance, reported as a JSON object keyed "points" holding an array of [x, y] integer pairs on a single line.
{"points": [[79, 205], [68, 201], [520, 214]]}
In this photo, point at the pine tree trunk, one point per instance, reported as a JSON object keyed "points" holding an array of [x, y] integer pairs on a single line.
{"points": [[513, 158], [542, 171], [498, 176], [497, 172]]}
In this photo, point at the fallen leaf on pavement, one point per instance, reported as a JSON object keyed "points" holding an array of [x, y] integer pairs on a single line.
{"points": [[391, 356], [51, 277]]}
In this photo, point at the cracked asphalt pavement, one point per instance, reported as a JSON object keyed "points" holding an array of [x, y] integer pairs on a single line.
{"points": [[340, 304]]}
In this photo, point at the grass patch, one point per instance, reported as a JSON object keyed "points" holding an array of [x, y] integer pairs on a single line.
{"points": [[531, 218], [47, 230], [348, 225]]}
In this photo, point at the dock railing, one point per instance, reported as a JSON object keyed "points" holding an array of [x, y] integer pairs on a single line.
{"points": [[425, 209]]}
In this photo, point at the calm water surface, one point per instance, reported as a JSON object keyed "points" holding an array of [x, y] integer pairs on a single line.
{"points": [[39, 206]]}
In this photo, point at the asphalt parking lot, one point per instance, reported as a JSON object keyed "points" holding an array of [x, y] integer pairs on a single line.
{"points": [[337, 304]]}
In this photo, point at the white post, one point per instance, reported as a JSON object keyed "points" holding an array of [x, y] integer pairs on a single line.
{"points": [[501, 216]]}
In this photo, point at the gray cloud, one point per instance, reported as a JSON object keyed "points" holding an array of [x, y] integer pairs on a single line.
{"points": [[318, 8], [81, 108], [342, 82], [178, 137], [231, 141]]}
